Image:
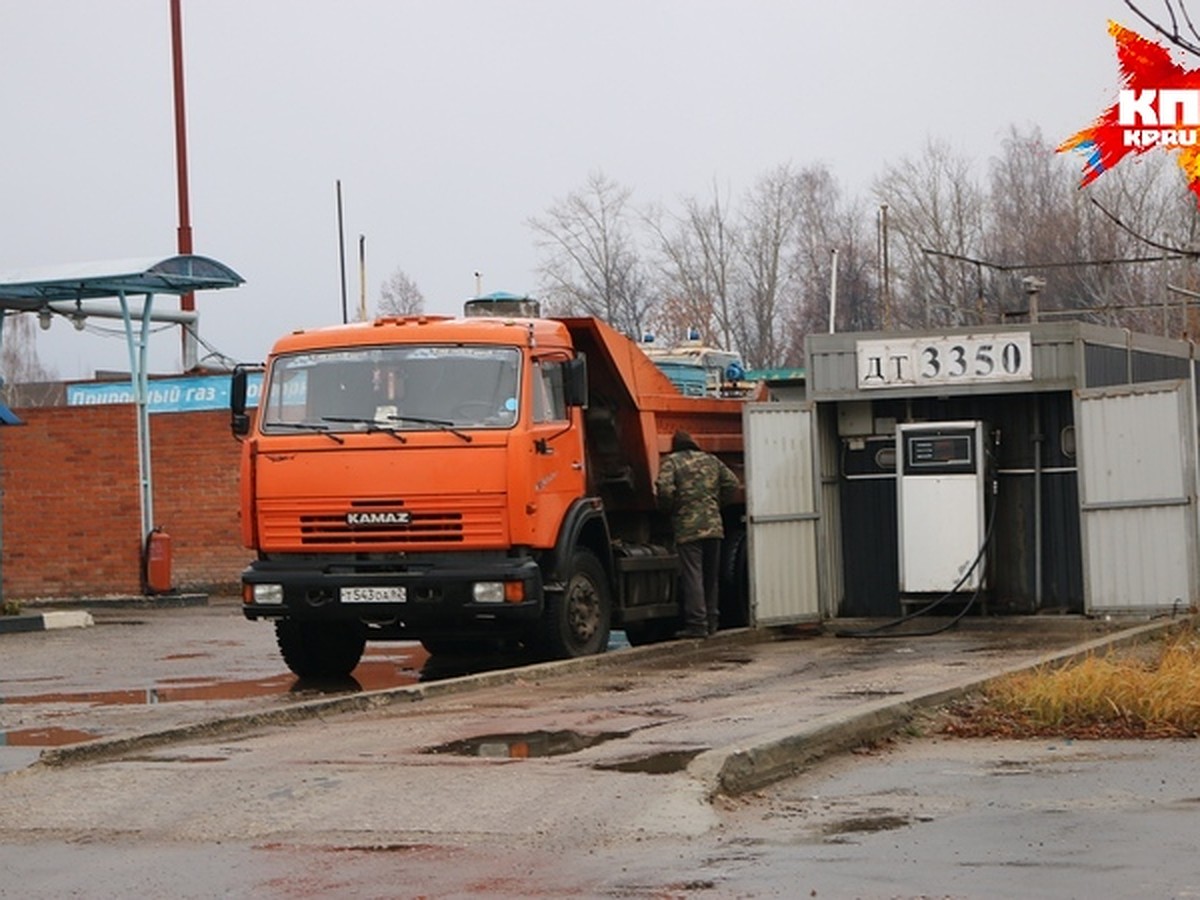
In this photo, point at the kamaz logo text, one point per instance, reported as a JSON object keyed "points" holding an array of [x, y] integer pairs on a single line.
{"points": [[386, 518], [1143, 113]]}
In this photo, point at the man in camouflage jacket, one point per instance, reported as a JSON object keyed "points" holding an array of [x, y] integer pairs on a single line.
{"points": [[693, 485]]}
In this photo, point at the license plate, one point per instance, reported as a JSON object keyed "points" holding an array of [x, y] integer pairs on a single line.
{"points": [[373, 595]]}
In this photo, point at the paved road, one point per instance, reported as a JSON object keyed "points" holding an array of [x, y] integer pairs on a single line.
{"points": [[587, 778], [980, 819]]}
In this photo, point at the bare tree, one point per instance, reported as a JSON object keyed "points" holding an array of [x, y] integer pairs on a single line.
{"points": [[828, 224], [1181, 32], [1144, 217], [1033, 225], [1037, 224], [858, 291], [19, 362], [769, 224], [591, 264], [400, 296], [697, 262], [934, 203]]}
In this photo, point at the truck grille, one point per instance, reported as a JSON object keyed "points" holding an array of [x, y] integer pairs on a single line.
{"points": [[475, 521]]}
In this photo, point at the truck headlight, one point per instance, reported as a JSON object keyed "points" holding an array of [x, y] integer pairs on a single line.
{"points": [[489, 591], [268, 594]]}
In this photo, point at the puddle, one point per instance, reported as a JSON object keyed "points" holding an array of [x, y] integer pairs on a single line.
{"points": [[526, 745], [163, 692], [432, 852], [176, 759], [667, 762], [373, 673], [386, 848], [44, 737], [866, 825]]}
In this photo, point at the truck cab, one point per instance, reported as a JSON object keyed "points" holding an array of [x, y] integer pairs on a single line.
{"points": [[448, 480]]}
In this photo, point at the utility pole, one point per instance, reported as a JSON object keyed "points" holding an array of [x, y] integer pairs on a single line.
{"points": [[187, 302], [342, 252], [362, 278], [885, 290]]}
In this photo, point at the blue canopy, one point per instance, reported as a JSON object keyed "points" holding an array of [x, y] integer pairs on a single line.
{"points": [[30, 290]]}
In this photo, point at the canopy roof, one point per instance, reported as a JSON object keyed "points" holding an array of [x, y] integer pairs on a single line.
{"points": [[31, 289]]}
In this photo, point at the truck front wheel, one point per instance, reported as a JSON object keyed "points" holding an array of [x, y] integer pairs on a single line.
{"points": [[320, 649], [576, 620]]}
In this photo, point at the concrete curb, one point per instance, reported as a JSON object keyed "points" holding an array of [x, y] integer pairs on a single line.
{"points": [[26, 622], [121, 601], [787, 752], [57, 614]]}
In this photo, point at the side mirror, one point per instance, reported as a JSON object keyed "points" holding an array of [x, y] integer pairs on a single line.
{"points": [[575, 385], [239, 419]]}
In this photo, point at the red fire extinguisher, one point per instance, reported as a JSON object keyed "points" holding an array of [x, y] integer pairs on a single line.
{"points": [[158, 562]]}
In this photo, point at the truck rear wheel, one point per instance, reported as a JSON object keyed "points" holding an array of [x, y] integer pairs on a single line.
{"points": [[735, 579], [320, 649], [577, 619], [651, 631]]}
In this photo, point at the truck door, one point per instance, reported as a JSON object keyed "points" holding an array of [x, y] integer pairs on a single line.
{"points": [[558, 462]]}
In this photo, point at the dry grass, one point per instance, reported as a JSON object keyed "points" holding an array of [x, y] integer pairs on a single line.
{"points": [[1150, 691]]}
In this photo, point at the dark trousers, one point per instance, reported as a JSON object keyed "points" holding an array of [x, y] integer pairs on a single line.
{"points": [[699, 579]]}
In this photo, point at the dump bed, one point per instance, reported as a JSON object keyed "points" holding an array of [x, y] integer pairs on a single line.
{"points": [[633, 411]]}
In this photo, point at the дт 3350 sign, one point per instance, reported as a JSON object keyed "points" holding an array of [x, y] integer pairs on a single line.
{"points": [[951, 359]]}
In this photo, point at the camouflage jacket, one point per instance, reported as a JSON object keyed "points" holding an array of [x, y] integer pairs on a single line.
{"points": [[692, 485]]}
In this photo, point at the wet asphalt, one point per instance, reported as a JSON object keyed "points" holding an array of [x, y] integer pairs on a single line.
{"points": [[746, 707], [176, 738]]}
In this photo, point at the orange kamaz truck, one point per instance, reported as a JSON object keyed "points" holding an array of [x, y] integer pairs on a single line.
{"points": [[467, 482]]}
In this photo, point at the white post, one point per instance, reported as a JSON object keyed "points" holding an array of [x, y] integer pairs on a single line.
{"points": [[191, 342], [137, 346], [833, 255]]}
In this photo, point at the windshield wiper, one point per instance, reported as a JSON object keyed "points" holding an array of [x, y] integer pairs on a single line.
{"points": [[371, 425], [309, 426], [436, 423]]}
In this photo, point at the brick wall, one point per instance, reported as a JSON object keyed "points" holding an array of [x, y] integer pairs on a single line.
{"points": [[71, 523]]}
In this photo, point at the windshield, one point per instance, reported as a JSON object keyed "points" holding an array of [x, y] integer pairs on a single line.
{"points": [[397, 388]]}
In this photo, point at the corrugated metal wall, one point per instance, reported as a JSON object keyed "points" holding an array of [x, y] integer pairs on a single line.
{"points": [[869, 527], [1137, 496], [1106, 365], [781, 503]]}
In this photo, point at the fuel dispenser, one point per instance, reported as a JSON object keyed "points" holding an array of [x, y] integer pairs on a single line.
{"points": [[941, 496]]}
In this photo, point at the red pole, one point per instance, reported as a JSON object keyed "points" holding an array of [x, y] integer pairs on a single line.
{"points": [[186, 301]]}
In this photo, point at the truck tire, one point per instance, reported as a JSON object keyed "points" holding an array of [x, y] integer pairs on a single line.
{"points": [[651, 631], [735, 579], [320, 649], [459, 646], [576, 620]]}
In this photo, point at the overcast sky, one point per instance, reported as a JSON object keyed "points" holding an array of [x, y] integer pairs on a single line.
{"points": [[451, 123]]}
